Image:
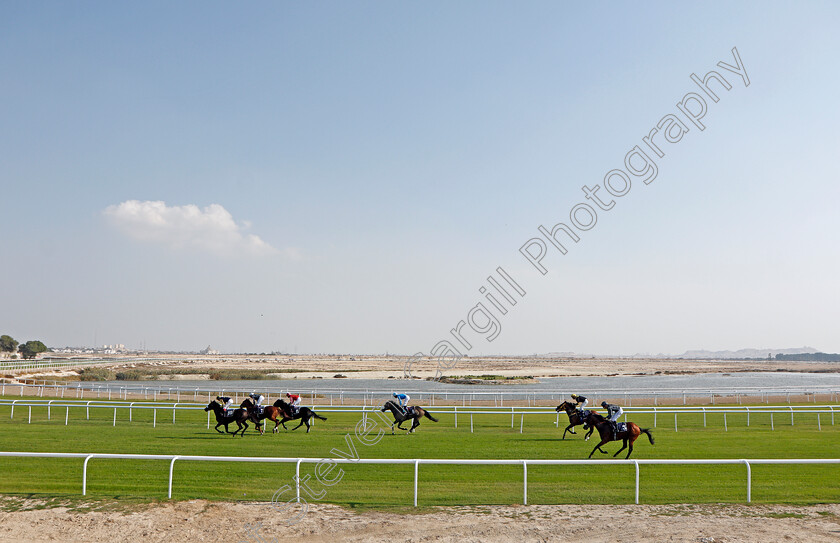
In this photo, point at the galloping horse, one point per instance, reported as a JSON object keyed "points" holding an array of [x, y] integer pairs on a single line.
{"points": [[400, 416], [239, 416], [575, 418], [605, 429], [283, 408]]}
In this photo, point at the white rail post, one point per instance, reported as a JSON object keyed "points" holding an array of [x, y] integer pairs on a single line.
{"points": [[471, 421], [129, 412], [791, 416], [511, 418], [115, 416], [725, 429], [636, 462], [13, 409], [171, 469], [557, 420], [416, 476], [456, 416], [771, 422], [297, 479], [749, 481], [87, 409], [819, 426], [521, 422], [30, 415], [704, 417], [748, 416], [84, 474], [173, 413], [48, 409], [154, 418], [67, 416], [675, 421], [208, 420], [524, 482], [654, 415]]}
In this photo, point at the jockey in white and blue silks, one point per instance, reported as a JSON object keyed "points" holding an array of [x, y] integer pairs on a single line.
{"points": [[402, 399]]}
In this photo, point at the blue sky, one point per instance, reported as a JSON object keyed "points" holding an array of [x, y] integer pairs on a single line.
{"points": [[343, 177]]}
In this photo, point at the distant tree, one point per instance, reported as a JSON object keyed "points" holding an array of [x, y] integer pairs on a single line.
{"points": [[8, 344], [30, 349]]}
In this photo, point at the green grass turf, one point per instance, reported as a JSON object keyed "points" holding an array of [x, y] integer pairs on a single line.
{"points": [[386, 485]]}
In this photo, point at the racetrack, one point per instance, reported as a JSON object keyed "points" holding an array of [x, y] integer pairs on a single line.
{"points": [[376, 486]]}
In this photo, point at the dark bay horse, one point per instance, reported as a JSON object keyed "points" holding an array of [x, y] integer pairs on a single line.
{"points": [[576, 417], [605, 429], [284, 409], [400, 416], [239, 416]]}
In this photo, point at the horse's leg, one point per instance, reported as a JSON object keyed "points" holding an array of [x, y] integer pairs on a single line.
{"points": [[632, 439], [415, 424], [217, 428], [299, 425], [306, 420], [598, 447], [589, 433], [622, 448], [566, 430]]}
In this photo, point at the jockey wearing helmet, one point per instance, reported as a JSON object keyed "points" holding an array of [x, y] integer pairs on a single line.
{"points": [[580, 400], [402, 400], [294, 402], [613, 412], [225, 402], [257, 400]]}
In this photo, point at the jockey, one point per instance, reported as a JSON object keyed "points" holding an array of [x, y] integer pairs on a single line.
{"points": [[225, 401], [581, 400], [257, 400], [402, 400], [613, 412], [294, 402]]}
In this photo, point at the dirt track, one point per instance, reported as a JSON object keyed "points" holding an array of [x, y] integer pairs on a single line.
{"points": [[254, 523]]}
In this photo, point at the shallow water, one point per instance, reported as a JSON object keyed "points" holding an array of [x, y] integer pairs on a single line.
{"points": [[775, 381]]}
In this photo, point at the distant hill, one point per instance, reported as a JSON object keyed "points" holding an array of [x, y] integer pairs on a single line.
{"points": [[786, 354]]}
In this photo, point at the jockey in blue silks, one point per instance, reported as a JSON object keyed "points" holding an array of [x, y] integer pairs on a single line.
{"points": [[402, 399]]}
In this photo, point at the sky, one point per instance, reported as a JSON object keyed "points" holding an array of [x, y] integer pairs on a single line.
{"points": [[340, 177]]}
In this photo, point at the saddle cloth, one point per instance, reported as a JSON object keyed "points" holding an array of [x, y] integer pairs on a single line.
{"points": [[583, 413], [621, 427]]}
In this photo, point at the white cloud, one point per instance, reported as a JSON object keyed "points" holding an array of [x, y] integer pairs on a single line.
{"points": [[211, 229]]}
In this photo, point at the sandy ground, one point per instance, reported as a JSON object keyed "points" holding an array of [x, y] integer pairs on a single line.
{"points": [[397, 367], [255, 523]]}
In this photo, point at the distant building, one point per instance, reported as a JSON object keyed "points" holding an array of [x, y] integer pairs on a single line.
{"points": [[209, 350]]}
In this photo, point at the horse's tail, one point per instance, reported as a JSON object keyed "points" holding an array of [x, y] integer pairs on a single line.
{"points": [[317, 416], [429, 416], [647, 431]]}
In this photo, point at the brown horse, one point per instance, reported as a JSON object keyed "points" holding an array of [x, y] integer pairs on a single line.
{"points": [[576, 417], [605, 429], [281, 412]]}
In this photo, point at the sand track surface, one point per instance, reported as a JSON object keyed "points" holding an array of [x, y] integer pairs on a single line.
{"points": [[200, 520]]}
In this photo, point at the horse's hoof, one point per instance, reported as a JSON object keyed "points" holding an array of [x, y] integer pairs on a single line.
{"points": [[586, 438]]}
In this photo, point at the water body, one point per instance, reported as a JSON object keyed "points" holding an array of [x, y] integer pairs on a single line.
{"points": [[552, 385]]}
